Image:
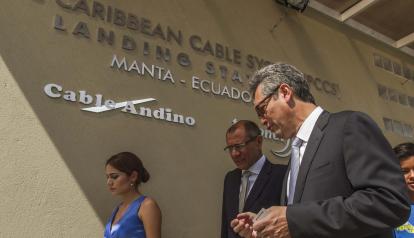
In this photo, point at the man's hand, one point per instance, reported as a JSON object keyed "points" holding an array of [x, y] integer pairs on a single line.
{"points": [[243, 225], [273, 224]]}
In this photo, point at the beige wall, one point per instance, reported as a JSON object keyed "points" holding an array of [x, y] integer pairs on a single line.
{"points": [[52, 182]]}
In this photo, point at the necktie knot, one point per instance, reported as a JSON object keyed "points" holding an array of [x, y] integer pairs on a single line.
{"points": [[297, 142], [246, 173]]}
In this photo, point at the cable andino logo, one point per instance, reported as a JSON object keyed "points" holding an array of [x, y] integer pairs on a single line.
{"points": [[165, 114], [105, 108]]}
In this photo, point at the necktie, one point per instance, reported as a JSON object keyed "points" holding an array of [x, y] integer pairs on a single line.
{"points": [[294, 167], [244, 189]]}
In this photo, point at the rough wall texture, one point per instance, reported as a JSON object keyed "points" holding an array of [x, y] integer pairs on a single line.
{"points": [[39, 196]]}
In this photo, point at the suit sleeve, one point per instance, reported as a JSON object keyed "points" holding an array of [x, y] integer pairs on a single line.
{"points": [[378, 201], [224, 223]]}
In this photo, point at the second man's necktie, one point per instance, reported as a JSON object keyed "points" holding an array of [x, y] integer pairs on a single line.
{"points": [[244, 189]]}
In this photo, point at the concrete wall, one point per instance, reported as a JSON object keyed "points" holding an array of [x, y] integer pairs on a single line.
{"points": [[53, 153]]}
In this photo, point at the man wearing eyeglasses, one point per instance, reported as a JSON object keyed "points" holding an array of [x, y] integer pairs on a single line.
{"points": [[343, 179], [255, 183]]}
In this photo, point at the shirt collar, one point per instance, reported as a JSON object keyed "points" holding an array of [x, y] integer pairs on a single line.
{"points": [[256, 167], [306, 128]]}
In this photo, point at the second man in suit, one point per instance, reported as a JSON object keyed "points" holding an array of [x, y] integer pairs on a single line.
{"points": [[255, 183]]}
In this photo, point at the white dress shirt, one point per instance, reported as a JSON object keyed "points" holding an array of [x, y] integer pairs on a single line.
{"points": [[304, 133], [254, 170]]}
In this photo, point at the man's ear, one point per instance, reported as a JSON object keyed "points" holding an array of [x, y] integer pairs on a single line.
{"points": [[285, 92], [259, 139]]}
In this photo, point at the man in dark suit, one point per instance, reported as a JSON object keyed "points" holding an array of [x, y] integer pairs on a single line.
{"points": [[343, 179], [255, 183]]}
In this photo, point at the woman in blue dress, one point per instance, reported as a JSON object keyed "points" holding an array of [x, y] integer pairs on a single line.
{"points": [[405, 153], [137, 216]]}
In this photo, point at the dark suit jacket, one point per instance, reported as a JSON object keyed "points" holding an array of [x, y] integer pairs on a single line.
{"points": [[265, 192], [349, 184]]}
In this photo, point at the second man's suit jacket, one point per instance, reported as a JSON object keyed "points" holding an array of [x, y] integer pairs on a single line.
{"points": [[265, 192], [349, 183]]}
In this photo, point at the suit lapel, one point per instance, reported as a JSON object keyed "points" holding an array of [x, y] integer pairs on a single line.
{"points": [[259, 184], [283, 199], [311, 148], [233, 193]]}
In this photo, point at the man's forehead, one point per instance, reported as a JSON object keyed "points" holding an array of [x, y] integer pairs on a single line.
{"points": [[258, 95], [239, 132]]}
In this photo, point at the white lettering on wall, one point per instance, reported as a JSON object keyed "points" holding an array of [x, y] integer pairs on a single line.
{"points": [[164, 114]]}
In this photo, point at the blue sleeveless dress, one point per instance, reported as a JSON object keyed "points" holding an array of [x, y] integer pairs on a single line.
{"points": [[129, 226]]}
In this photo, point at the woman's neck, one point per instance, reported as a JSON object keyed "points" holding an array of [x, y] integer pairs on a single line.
{"points": [[130, 197]]}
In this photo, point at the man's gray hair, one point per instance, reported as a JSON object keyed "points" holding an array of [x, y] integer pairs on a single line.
{"points": [[271, 76]]}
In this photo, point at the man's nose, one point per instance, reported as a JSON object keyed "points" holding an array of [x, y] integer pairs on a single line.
{"points": [[263, 121], [235, 153]]}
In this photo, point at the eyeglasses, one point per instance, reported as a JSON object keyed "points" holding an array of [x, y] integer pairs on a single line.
{"points": [[238, 147], [261, 107]]}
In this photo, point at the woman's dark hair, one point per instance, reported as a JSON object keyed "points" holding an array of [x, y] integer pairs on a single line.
{"points": [[128, 162], [404, 150]]}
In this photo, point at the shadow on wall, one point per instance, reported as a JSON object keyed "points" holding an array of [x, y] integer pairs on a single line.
{"points": [[36, 54]]}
